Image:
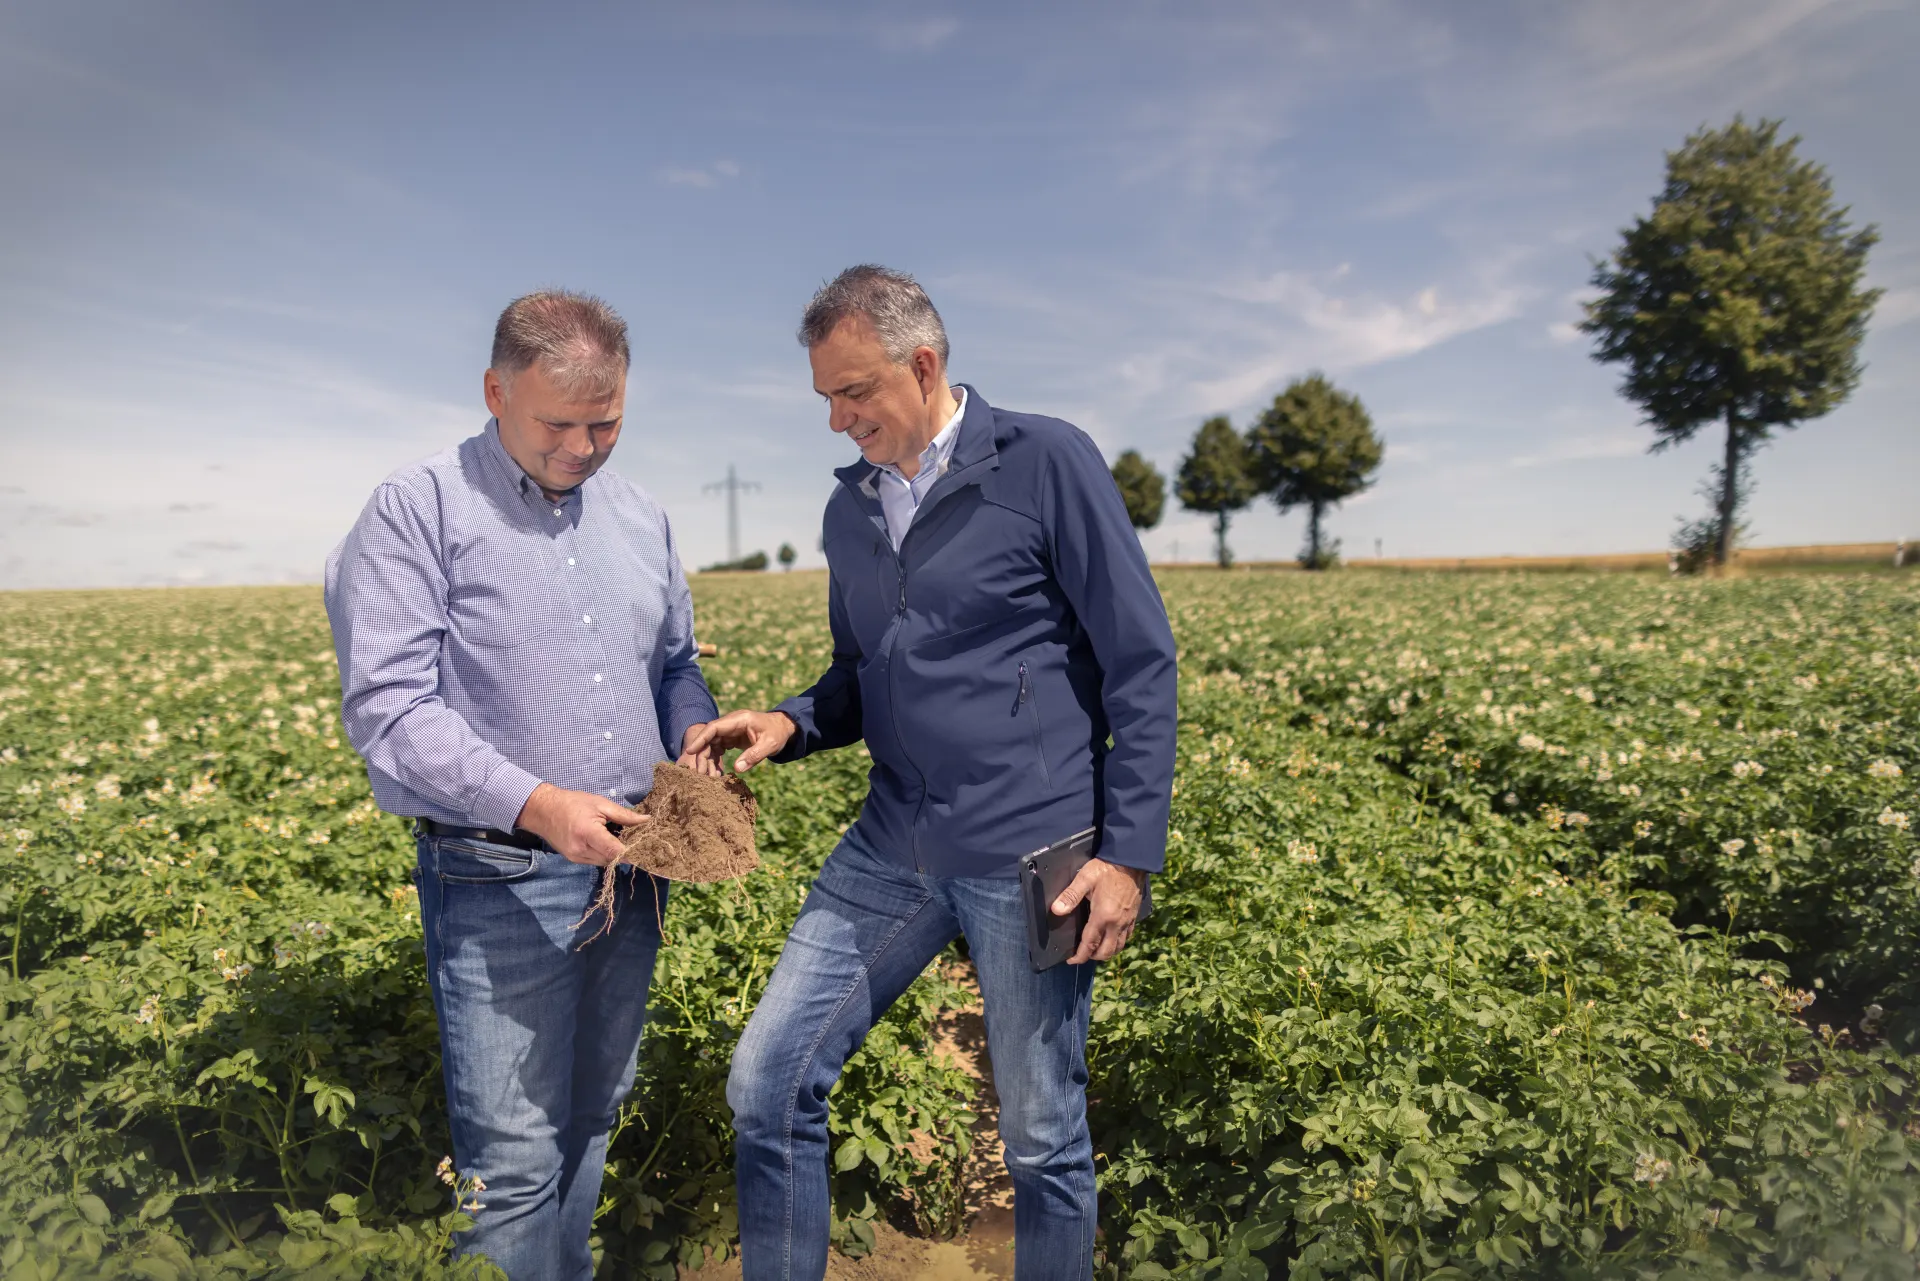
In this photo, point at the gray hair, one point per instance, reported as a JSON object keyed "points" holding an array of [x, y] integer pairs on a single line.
{"points": [[576, 339], [891, 301]]}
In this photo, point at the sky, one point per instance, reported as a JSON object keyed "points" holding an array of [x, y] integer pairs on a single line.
{"points": [[251, 254]]}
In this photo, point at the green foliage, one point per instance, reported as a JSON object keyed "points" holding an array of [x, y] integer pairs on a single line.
{"points": [[1313, 447], [1737, 299], [216, 1012], [1142, 488], [786, 556], [1388, 1021], [1495, 918], [1215, 478], [752, 562]]}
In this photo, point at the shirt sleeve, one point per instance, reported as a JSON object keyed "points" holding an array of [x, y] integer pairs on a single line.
{"points": [[828, 714], [683, 698], [1099, 564], [387, 601]]}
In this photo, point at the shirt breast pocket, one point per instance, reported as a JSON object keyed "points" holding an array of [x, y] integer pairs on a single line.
{"points": [[502, 601]]}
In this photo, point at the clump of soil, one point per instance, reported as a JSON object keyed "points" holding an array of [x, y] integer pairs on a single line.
{"points": [[700, 829]]}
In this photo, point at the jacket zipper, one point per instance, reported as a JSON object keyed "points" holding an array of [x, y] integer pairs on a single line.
{"points": [[893, 700], [1032, 705]]}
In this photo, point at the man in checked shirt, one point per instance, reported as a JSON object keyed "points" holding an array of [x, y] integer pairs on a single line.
{"points": [[515, 638]]}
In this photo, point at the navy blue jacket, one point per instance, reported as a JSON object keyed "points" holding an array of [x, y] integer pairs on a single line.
{"points": [[988, 663]]}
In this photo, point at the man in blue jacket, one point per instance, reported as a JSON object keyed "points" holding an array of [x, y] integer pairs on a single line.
{"points": [[999, 644]]}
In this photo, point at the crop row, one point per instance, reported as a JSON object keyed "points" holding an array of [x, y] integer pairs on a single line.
{"points": [[1418, 999]]}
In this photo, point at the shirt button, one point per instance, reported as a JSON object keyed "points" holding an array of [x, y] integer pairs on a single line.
{"points": [[607, 734], [586, 618], [596, 678], [569, 560], [557, 511]]}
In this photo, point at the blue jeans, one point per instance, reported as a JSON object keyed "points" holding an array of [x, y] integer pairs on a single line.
{"points": [[538, 1037], [867, 930]]}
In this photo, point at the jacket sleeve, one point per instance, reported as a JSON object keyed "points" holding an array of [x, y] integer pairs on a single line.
{"points": [[828, 714], [387, 601], [1099, 564], [683, 698]]}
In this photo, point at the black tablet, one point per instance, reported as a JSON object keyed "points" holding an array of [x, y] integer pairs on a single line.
{"points": [[1043, 875]]}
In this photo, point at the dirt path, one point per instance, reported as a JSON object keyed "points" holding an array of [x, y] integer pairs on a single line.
{"points": [[984, 1248]]}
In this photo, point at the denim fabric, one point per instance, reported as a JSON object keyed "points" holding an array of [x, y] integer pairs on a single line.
{"points": [[539, 1037], [868, 928]]}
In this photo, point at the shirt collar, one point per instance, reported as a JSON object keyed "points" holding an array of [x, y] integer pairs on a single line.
{"points": [[933, 459], [515, 475]]}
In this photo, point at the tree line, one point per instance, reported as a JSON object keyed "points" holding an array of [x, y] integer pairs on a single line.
{"points": [[1738, 300], [1313, 447]]}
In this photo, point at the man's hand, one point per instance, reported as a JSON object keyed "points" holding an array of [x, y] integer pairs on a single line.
{"points": [[575, 823], [760, 733], [1115, 893], [708, 760]]}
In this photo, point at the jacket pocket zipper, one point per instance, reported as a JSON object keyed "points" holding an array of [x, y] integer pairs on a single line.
{"points": [[1033, 718]]}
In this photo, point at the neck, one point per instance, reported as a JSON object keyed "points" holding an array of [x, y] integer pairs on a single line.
{"points": [[940, 407]]}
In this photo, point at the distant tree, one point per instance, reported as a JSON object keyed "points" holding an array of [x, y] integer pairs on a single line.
{"points": [[1313, 447], [1214, 479], [1736, 300], [752, 562], [786, 556], [1142, 488]]}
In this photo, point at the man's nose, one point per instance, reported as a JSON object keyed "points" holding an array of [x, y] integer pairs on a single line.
{"points": [[578, 441], [840, 416]]}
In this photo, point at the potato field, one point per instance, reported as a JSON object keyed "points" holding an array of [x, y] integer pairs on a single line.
{"points": [[1554, 926]]}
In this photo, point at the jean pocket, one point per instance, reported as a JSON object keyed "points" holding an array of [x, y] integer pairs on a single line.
{"points": [[464, 862]]}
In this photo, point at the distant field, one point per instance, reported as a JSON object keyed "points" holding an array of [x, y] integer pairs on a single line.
{"points": [[1761, 559]]}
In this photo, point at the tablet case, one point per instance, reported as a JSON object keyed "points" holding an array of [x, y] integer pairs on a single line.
{"points": [[1043, 875]]}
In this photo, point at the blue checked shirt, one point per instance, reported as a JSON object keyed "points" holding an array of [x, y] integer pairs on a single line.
{"points": [[490, 640]]}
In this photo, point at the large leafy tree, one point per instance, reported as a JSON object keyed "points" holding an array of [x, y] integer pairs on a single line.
{"points": [[1313, 447], [1142, 488], [1214, 479], [1736, 300]]}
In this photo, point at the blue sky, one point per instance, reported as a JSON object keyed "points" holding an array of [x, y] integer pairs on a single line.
{"points": [[250, 254]]}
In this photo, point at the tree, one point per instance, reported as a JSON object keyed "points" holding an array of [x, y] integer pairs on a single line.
{"points": [[1142, 488], [1736, 300], [1313, 447], [786, 556], [751, 563], [1214, 479]]}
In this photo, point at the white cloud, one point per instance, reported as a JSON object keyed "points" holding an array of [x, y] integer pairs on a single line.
{"points": [[703, 177], [921, 36], [1619, 443]]}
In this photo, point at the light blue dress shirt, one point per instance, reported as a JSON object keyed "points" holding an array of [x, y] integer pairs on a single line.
{"points": [[900, 497], [490, 639]]}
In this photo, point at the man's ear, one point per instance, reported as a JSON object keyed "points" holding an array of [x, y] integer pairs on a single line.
{"points": [[494, 388], [926, 370]]}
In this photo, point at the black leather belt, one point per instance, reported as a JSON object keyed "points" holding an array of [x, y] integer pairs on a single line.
{"points": [[491, 835]]}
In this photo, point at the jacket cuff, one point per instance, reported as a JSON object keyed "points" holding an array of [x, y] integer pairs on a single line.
{"points": [[503, 796], [799, 710]]}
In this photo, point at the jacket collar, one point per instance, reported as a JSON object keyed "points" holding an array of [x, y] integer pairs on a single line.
{"points": [[974, 445]]}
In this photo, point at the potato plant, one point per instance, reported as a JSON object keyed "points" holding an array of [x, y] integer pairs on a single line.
{"points": [[1495, 918]]}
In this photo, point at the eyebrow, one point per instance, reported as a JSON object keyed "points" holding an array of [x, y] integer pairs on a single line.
{"points": [[844, 390], [568, 422]]}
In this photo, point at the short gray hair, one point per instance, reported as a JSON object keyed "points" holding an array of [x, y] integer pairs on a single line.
{"points": [[891, 301], [577, 340]]}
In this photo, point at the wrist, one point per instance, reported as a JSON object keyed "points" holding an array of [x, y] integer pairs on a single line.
{"points": [[530, 812]]}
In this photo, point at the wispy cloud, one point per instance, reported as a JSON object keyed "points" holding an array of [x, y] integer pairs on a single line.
{"points": [[923, 35], [703, 176]]}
